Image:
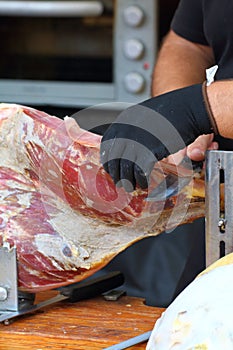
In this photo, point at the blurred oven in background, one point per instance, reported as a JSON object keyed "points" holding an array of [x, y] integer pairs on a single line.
{"points": [[77, 53]]}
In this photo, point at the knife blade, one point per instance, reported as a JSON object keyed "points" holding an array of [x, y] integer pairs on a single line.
{"points": [[174, 183], [170, 186], [130, 342]]}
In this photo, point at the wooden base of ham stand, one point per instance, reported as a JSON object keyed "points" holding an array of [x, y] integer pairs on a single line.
{"points": [[84, 325]]}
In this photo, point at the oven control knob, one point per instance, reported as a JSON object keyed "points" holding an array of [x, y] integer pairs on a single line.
{"points": [[133, 49], [134, 82], [133, 16]]}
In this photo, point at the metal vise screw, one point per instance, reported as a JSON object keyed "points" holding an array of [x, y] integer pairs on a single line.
{"points": [[222, 224]]}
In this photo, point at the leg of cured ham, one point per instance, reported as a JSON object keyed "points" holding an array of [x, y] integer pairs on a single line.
{"points": [[61, 209]]}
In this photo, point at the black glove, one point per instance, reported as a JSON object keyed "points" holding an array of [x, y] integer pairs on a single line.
{"points": [[145, 133]]}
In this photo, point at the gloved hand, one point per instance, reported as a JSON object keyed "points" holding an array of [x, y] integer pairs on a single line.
{"points": [[145, 133]]}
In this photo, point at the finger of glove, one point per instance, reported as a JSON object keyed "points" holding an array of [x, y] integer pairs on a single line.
{"points": [[111, 150], [126, 168], [140, 177], [113, 168], [136, 165], [127, 179]]}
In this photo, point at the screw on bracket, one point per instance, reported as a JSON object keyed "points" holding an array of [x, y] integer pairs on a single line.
{"points": [[222, 224], [3, 294]]}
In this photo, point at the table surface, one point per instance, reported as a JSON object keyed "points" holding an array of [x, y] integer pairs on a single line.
{"points": [[89, 324]]}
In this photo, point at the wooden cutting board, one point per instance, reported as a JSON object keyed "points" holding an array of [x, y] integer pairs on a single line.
{"points": [[85, 325]]}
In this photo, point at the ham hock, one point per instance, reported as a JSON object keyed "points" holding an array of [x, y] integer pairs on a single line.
{"points": [[62, 211]]}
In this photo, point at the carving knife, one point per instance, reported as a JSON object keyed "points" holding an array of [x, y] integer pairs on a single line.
{"points": [[174, 183]]}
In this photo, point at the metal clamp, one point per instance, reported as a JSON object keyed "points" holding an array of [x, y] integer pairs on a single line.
{"points": [[219, 205], [8, 281], [14, 303]]}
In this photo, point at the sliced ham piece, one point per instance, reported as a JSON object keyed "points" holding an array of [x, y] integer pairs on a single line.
{"points": [[61, 209]]}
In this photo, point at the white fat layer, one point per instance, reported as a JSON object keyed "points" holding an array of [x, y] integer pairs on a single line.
{"points": [[200, 317], [88, 240], [11, 142], [7, 200], [23, 199], [13, 138], [55, 246]]}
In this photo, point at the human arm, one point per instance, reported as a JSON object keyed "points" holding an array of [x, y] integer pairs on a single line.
{"points": [[221, 102], [183, 59], [182, 63], [150, 131], [175, 68]]}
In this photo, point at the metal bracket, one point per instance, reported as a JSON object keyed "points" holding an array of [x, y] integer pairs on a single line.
{"points": [[8, 280], [219, 209], [14, 303]]}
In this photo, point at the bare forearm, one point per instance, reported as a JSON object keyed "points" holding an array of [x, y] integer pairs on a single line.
{"points": [[180, 63], [220, 95]]}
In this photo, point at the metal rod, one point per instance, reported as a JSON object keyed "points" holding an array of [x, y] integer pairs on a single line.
{"points": [[130, 342], [51, 8]]}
